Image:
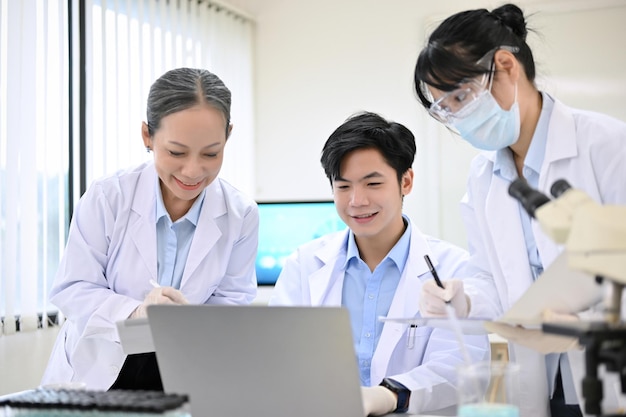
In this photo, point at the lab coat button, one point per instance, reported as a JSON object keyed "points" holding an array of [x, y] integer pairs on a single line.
{"points": [[114, 369]]}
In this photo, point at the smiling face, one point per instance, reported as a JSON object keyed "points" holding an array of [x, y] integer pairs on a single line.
{"points": [[188, 151], [368, 197]]}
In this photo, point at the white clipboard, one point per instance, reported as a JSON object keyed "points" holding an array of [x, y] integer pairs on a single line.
{"points": [[467, 326], [560, 289]]}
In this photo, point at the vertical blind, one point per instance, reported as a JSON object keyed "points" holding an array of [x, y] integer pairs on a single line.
{"points": [[128, 44], [33, 154], [131, 44]]}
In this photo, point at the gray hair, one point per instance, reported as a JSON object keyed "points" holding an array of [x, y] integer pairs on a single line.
{"points": [[182, 88]]}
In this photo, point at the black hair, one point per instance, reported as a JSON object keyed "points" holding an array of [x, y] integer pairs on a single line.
{"points": [[461, 40], [368, 130], [182, 88]]}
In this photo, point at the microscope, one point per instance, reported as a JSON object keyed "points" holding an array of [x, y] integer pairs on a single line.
{"points": [[594, 238]]}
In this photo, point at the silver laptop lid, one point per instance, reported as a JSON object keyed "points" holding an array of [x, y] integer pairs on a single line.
{"points": [[258, 360]]}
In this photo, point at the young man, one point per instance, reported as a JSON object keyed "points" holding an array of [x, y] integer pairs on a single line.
{"points": [[376, 268]]}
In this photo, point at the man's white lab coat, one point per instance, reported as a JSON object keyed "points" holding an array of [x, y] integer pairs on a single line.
{"points": [[111, 255], [314, 275]]}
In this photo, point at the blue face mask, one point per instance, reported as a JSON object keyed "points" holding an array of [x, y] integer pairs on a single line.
{"points": [[489, 127]]}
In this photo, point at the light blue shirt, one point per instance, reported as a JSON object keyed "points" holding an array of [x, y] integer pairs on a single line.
{"points": [[504, 167], [368, 295], [174, 240]]}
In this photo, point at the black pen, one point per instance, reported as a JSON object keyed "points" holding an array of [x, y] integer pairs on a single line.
{"points": [[433, 271]]}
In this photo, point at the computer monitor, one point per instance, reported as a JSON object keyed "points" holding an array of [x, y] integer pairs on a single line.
{"points": [[285, 225]]}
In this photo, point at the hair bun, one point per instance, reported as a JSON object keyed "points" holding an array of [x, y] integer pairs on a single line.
{"points": [[512, 16]]}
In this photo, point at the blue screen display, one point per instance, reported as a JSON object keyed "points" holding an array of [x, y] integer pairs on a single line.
{"points": [[285, 226]]}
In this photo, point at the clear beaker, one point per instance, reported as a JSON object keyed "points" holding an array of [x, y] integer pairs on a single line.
{"points": [[488, 389]]}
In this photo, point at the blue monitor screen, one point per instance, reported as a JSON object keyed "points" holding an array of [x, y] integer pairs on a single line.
{"points": [[283, 226]]}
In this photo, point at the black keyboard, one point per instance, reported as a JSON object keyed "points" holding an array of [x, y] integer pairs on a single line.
{"points": [[108, 402]]}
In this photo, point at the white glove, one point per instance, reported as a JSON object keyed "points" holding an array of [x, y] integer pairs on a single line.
{"points": [[534, 339], [160, 295], [433, 298], [378, 401]]}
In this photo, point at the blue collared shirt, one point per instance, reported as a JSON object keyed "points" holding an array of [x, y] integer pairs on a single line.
{"points": [[368, 295], [504, 167], [174, 240]]}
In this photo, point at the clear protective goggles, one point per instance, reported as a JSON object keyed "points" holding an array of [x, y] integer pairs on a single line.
{"points": [[460, 102]]}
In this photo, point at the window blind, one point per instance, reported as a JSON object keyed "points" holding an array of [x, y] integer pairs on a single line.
{"points": [[133, 42], [33, 155]]}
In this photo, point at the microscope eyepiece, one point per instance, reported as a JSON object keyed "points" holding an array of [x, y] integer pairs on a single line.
{"points": [[528, 197], [559, 187]]}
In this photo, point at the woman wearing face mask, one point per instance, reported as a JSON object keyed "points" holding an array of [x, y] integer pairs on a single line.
{"points": [[476, 75]]}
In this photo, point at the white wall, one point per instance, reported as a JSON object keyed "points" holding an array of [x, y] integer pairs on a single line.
{"points": [[318, 62], [23, 359]]}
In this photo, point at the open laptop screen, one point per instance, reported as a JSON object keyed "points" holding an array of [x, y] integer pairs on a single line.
{"points": [[258, 361]]}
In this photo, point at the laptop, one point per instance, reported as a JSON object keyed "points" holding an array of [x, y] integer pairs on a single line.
{"points": [[258, 361]]}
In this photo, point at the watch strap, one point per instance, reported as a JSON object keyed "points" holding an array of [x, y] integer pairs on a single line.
{"points": [[403, 393]]}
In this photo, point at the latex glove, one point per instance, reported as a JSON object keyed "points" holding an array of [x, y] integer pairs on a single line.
{"points": [[160, 295], [378, 401], [534, 339], [433, 298]]}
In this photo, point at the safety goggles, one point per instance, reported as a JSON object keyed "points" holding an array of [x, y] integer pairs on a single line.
{"points": [[462, 101]]}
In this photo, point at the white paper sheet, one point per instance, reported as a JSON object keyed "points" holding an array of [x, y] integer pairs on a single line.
{"points": [[560, 289], [135, 336]]}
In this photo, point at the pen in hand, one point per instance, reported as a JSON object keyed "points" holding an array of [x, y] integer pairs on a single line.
{"points": [[433, 271], [154, 284]]}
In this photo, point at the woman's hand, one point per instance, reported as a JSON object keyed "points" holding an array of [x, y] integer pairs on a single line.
{"points": [[160, 295]]}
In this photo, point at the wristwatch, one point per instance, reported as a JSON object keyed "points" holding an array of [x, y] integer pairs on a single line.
{"points": [[401, 391]]}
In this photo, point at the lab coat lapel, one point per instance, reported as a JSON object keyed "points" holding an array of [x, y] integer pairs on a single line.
{"points": [[405, 303], [142, 221], [562, 145], [326, 283], [506, 229], [207, 232]]}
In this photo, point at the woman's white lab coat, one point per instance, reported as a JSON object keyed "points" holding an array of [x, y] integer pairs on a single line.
{"points": [[314, 275], [111, 255], [586, 149]]}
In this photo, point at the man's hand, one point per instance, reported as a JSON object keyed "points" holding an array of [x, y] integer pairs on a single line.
{"points": [[433, 299], [160, 295], [378, 401]]}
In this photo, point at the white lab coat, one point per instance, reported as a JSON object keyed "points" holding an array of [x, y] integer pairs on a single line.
{"points": [[111, 255], [314, 275], [586, 149]]}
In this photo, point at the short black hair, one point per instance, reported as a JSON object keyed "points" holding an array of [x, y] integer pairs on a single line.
{"points": [[369, 130]]}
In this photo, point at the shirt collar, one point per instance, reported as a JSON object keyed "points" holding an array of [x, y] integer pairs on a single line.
{"points": [[192, 215], [504, 165], [398, 254]]}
